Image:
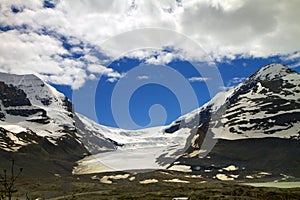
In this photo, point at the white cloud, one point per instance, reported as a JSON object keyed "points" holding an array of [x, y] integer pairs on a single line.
{"points": [[291, 57], [198, 79], [295, 65], [90, 58], [238, 79], [225, 87], [161, 59], [234, 81], [80, 79], [92, 77], [144, 77], [222, 28], [30, 52], [111, 80], [158, 56], [100, 69], [115, 76]]}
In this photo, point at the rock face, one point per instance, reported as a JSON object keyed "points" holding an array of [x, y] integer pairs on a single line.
{"points": [[254, 126], [38, 127]]}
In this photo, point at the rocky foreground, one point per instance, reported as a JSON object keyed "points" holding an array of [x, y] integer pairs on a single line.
{"points": [[145, 185]]}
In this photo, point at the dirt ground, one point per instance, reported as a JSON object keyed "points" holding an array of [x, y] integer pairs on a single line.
{"points": [[143, 185]]}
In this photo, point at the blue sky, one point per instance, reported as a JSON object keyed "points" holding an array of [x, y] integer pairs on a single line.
{"points": [[233, 72], [134, 64]]}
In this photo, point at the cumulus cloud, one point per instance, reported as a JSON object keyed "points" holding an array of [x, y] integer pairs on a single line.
{"points": [[161, 59], [20, 52], [66, 42], [161, 56]]}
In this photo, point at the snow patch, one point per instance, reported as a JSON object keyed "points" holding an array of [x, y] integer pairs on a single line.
{"points": [[231, 168], [120, 160], [15, 139], [13, 128], [224, 177], [176, 180], [107, 179], [235, 176], [271, 71], [265, 173], [196, 152], [193, 176], [181, 168], [142, 149], [147, 181]]}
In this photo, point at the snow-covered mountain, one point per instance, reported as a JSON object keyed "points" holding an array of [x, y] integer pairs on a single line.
{"points": [[251, 127], [34, 115], [30, 104], [236, 129], [38, 122], [254, 126], [265, 105]]}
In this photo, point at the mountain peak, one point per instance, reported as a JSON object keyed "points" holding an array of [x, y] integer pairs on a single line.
{"points": [[15, 77], [34, 87], [271, 71]]}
